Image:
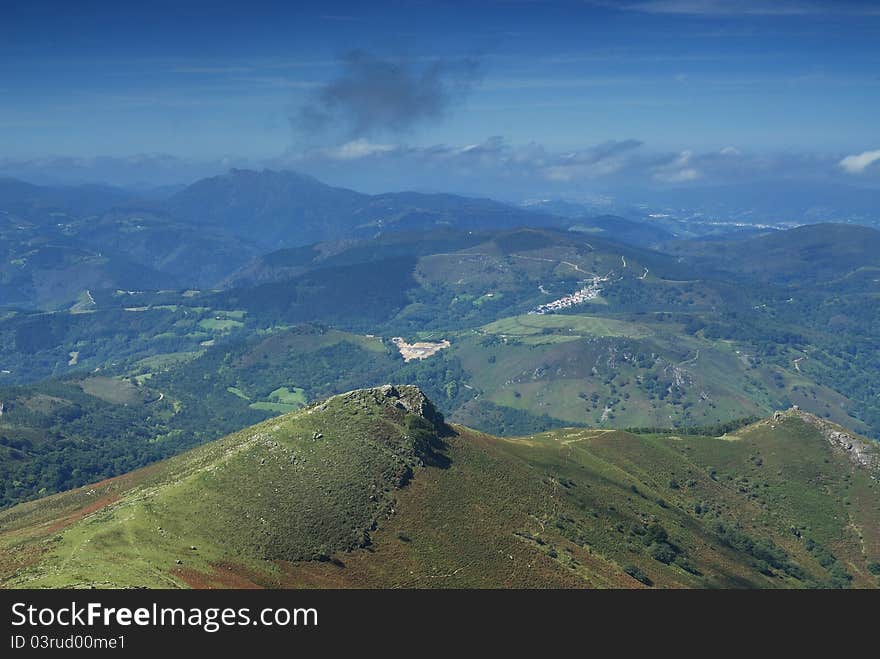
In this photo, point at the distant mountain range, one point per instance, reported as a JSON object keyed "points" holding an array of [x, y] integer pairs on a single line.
{"points": [[40, 203], [770, 201], [699, 209], [805, 254], [59, 242], [285, 209]]}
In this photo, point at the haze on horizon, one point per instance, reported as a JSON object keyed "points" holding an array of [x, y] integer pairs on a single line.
{"points": [[504, 98]]}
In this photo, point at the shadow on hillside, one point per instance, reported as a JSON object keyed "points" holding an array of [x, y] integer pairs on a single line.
{"points": [[428, 437], [438, 458], [437, 452]]}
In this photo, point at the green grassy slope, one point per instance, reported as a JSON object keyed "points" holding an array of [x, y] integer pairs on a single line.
{"points": [[371, 488], [626, 372]]}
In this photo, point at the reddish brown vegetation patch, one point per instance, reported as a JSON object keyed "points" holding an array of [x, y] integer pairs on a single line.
{"points": [[77, 515], [222, 575]]}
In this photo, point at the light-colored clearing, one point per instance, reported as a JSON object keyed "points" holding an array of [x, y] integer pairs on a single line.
{"points": [[418, 350]]}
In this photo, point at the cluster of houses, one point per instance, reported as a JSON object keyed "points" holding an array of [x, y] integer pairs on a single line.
{"points": [[590, 291]]}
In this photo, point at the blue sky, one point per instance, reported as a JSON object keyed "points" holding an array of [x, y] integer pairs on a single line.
{"points": [[671, 88]]}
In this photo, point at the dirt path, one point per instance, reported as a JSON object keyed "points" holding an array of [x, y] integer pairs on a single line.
{"points": [[578, 268], [568, 263], [692, 359], [586, 436]]}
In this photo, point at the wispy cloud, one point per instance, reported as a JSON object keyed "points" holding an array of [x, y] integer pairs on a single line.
{"points": [[578, 82], [342, 18], [276, 82], [218, 70], [794, 79], [753, 7], [858, 163]]}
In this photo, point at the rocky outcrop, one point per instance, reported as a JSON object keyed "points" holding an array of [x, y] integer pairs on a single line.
{"points": [[407, 398], [412, 399], [860, 451]]}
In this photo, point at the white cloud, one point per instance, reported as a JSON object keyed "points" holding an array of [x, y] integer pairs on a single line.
{"points": [[357, 149], [678, 170], [858, 163], [680, 176], [617, 162], [597, 161]]}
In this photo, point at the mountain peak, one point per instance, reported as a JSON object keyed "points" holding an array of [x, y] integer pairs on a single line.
{"points": [[406, 398], [861, 452], [266, 173]]}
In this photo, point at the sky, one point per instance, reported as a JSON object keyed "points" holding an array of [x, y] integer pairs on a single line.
{"points": [[475, 96]]}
